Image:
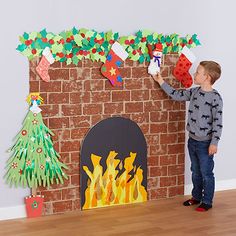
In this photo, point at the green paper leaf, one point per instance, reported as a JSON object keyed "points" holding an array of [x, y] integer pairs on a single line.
{"points": [[57, 38], [75, 50], [108, 35], [33, 35], [68, 33], [137, 41], [89, 33], [134, 57], [116, 36], [162, 39], [50, 36], [27, 52], [155, 36], [141, 59], [102, 59], [168, 39], [38, 44], [165, 50], [21, 38], [85, 42], [139, 34], [197, 42], [122, 40], [68, 46], [149, 38], [75, 31], [57, 48], [63, 34], [68, 61], [91, 42], [75, 60], [21, 47], [43, 33], [96, 56], [145, 33], [78, 39], [26, 36]]}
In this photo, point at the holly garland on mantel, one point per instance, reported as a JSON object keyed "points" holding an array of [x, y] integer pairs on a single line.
{"points": [[73, 45]]}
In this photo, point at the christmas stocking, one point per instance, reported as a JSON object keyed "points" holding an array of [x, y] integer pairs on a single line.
{"points": [[181, 70], [114, 59], [46, 60]]}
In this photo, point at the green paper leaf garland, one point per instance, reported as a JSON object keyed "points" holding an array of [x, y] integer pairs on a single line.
{"points": [[73, 45]]}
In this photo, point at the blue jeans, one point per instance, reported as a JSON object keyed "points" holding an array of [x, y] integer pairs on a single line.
{"points": [[202, 165]]}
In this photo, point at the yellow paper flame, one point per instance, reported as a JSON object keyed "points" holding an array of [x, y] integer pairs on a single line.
{"points": [[117, 185]]}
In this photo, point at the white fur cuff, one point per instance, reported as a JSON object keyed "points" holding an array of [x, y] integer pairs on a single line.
{"points": [[47, 53]]}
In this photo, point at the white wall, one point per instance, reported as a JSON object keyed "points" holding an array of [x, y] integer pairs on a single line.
{"points": [[212, 20]]}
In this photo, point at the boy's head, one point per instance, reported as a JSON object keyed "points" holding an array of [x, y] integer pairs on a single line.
{"points": [[212, 70]]}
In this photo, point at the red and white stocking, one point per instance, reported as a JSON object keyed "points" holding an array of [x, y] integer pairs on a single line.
{"points": [[43, 66], [114, 60], [181, 70]]}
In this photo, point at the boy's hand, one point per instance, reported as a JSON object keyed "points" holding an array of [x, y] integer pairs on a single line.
{"points": [[158, 78], [212, 149]]}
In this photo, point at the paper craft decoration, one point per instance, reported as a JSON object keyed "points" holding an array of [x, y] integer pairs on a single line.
{"points": [[181, 70], [43, 66], [155, 59], [113, 164], [34, 205], [73, 45], [110, 69], [34, 162]]}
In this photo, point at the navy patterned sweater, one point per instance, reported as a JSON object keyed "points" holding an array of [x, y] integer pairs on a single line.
{"points": [[204, 113]]}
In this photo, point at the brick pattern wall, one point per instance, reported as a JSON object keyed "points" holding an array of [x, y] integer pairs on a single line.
{"points": [[77, 97]]}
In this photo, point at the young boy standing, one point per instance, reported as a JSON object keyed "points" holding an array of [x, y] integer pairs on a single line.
{"points": [[204, 126]]}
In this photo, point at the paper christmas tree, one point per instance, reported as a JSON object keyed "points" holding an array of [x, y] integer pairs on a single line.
{"points": [[34, 161]]}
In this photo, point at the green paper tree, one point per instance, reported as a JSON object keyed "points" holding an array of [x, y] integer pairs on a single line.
{"points": [[34, 161]]}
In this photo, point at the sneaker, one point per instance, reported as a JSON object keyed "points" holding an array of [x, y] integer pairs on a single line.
{"points": [[191, 202], [203, 207]]}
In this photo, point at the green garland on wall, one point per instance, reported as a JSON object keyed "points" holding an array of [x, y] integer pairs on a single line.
{"points": [[73, 45]]}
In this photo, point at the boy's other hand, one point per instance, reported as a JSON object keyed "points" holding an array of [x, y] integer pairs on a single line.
{"points": [[212, 149], [158, 78]]}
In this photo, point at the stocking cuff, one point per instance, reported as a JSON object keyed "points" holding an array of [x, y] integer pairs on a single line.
{"points": [[191, 57], [47, 53], [119, 51]]}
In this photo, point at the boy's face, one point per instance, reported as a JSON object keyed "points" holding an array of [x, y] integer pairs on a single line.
{"points": [[200, 76]]}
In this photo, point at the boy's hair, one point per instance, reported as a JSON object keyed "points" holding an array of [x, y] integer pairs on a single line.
{"points": [[213, 69]]}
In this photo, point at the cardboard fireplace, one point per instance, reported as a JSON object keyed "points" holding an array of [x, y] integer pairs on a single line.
{"points": [[113, 164]]}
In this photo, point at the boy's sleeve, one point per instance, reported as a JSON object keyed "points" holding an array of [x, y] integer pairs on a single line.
{"points": [[217, 125], [178, 95]]}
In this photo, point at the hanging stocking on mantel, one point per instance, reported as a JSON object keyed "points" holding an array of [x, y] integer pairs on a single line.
{"points": [[181, 70], [114, 59], [43, 66]]}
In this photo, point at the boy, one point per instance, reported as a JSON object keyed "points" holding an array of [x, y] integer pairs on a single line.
{"points": [[204, 126]]}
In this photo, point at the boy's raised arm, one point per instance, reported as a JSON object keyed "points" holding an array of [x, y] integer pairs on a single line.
{"points": [[178, 95]]}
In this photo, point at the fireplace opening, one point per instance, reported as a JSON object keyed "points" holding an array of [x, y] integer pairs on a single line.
{"points": [[113, 164]]}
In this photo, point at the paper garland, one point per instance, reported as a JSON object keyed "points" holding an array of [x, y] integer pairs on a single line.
{"points": [[73, 45]]}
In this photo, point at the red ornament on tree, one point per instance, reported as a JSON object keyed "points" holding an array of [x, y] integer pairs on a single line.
{"points": [[24, 132]]}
